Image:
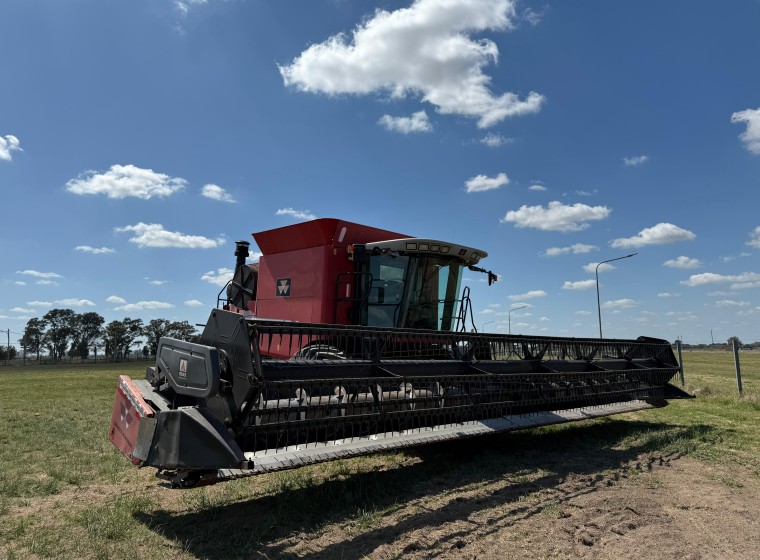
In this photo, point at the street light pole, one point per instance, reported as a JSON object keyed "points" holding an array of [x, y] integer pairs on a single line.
{"points": [[483, 328], [509, 315], [598, 301]]}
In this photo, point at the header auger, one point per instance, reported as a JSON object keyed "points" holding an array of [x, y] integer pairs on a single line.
{"points": [[346, 340]]}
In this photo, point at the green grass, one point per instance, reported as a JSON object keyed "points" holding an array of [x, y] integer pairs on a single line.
{"points": [[66, 492]]}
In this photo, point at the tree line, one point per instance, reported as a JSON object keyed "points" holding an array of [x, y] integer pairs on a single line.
{"points": [[62, 332]]}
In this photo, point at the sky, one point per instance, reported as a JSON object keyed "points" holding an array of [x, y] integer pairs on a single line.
{"points": [[140, 138]]}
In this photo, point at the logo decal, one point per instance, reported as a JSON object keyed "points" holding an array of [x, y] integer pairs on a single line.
{"points": [[283, 287]]}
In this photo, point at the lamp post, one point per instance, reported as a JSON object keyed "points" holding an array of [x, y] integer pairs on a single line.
{"points": [[509, 315], [598, 302], [483, 328]]}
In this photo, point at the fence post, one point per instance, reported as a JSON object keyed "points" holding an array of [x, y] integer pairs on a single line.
{"points": [[680, 362], [736, 364]]}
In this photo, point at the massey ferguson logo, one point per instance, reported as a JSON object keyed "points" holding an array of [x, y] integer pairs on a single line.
{"points": [[283, 287]]}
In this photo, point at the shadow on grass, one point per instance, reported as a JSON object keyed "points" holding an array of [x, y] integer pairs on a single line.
{"points": [[515, 465]]}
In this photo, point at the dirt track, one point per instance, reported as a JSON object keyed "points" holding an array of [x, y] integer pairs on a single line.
{"points": [[655, 507]]}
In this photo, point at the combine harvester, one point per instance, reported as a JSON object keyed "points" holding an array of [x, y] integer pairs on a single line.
{"points": [[346, 340]]}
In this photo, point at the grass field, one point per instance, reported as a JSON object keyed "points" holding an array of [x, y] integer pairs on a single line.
{"points": [[66, 493]]}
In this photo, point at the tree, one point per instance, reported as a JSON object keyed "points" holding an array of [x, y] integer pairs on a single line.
{"points": [[33, 334], [60, 325], [89, 328], [119, 336], [731, 341], [8, 353], [158, 328]]}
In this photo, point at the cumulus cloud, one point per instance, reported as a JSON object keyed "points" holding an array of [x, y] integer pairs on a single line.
{"points": [[21, 310], [39, 303], [143, 305], [123, 181], [751, 136], [193, 303], [215, 192], [75, 302], [298, 214], [218, 278], [660, 234], [667, 295], [620, 304], [116, 300], [423, 50], [575, 249], [556, 216], [94, 250], [37, 274], [8, 144], [417, 122], [537, 188], [737, 281], [754, 240], [592, 267], [481, 183], [731, 303], [730, 258], [580, 285], [495, 140], [154, 235], [683, 262], [529, 295], [635, 160]]}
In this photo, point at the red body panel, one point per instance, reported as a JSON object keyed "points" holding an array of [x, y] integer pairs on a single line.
{"points": [[308, 258]]}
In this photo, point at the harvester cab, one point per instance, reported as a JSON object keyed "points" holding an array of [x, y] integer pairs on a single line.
{"points": [[337, 272], [345, 340]]}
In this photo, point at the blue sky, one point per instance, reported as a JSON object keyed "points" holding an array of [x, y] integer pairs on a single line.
{"points": [[140, 138]]}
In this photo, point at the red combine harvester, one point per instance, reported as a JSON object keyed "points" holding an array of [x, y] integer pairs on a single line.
{"points": [[346, 340]]}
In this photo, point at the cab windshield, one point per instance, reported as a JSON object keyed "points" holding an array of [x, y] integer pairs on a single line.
{"points": [[411, 291]]}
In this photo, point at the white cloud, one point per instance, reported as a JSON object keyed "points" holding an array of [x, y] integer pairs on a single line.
{"points": [[157, 282], [556, 216], [143, 305], [740, 255], [683, 262], [422, 50], [37, 274], [123, 181], [94, 250], [529, 295], [481, 183], [754, 239], [116, 300], [298, 214], [583, 313], [575, 249], [154, 235], [215, 192], [20, 283], [721, 293], [751, 136], [604, 267], [620, 304], [660, 234], [635, 160], [743, 280], [183, 6], [487, 312], [47, 283], [418, 122], [74, 302], [8, 144], [21, 310], [534, 17], [580, 285], [495, 140], [39, 303], [538, 188], [667, 295], [519, 304], [193, 303], [218, 278], [731, 303]]}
